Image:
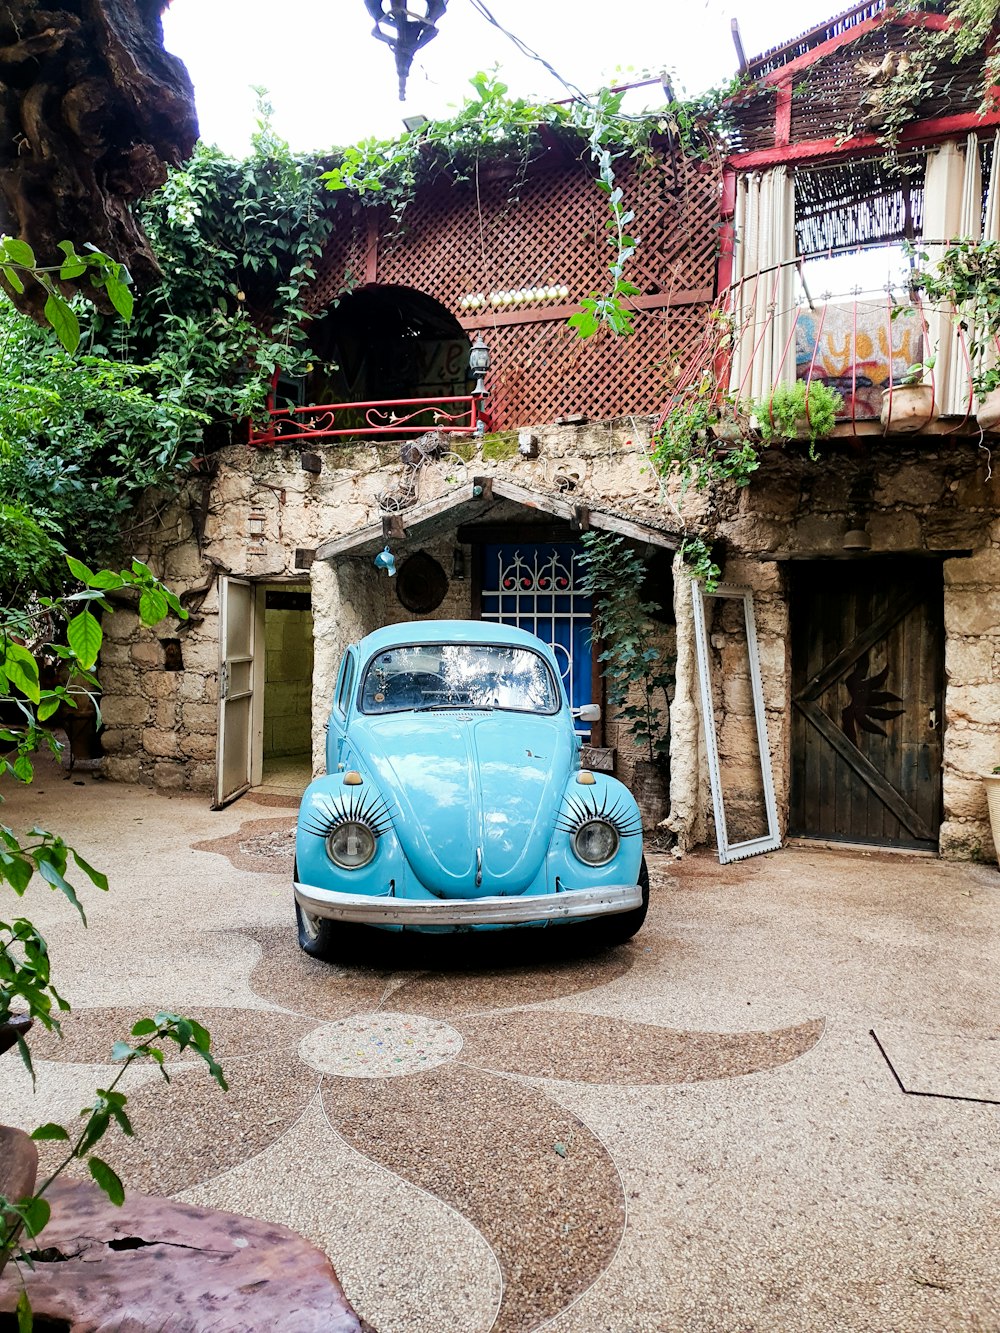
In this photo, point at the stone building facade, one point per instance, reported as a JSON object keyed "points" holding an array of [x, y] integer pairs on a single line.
{"points": [[873, 652]]}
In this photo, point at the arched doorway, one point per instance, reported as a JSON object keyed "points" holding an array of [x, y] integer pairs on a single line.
{"points": [[388, 344]]}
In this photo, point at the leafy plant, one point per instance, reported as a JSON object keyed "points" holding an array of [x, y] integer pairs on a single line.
{"points": [[26, 985], [966, 279], [685, 440], [638, 674], [799, 410], [82, 439], [105, 275], [698, 563]]}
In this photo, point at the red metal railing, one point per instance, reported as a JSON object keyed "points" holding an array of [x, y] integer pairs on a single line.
{"points": [[858, 345], [386, 417]]}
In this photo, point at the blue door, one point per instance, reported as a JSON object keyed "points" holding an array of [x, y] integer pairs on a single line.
{"points": [[534, 585]]}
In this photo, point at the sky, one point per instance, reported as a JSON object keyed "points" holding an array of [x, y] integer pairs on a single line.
{"points": [[331, 83]]}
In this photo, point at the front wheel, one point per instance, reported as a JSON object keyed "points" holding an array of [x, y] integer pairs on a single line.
{"points": [[317, 935], [623, 925]]}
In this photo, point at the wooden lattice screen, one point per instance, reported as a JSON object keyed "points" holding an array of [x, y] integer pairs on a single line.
{"points": [[831, 93], [458, 239]]}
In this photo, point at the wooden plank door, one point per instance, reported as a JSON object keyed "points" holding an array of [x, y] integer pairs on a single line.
{"points": [[867, 691], [237, 623]]}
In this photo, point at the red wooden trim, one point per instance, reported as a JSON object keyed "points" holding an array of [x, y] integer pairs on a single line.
{"points": [[918, 131], [783, 112], [371, 249], [556, 313]]}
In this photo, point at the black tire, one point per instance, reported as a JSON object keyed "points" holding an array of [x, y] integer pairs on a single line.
{"points": [[317, 935], [623, 925]]}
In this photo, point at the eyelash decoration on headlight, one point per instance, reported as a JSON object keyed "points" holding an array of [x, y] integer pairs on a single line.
{"points": [[369, 809], [580, 810]]}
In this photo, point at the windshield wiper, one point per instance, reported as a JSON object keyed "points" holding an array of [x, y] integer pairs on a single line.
{"points": [[460, 708]]}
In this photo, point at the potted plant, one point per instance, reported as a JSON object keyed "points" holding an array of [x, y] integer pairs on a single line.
{"points": [[909, 404], [991, 781], [967, 280], [704, 436], [804, 410]]}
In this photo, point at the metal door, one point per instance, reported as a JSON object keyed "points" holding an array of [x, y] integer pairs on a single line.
{"points": [[234, 760], [867, 687], [535, 586]]}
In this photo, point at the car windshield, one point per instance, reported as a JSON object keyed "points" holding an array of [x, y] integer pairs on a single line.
{"points": [[459, 675]]}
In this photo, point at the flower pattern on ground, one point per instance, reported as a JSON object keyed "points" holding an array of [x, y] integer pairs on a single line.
{"points": [[441, 1059]]}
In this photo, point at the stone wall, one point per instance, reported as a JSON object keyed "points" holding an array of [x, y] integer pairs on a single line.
{"points": [[259, 511], [972, 700], [259, 516]]}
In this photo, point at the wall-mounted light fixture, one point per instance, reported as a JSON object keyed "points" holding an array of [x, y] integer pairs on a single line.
{"points": [[857, 539], [458, 563], [405, 26], [479, 364], [385, 560]]}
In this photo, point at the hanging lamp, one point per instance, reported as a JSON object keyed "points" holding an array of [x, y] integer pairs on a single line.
{"points": [[405, 26]]}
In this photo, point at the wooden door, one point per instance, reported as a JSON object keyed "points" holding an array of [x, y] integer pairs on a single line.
{"points": [[237, 615], [867, 690]]}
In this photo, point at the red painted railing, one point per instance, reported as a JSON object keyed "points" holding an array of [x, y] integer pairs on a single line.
{"points": [[387, 417]]}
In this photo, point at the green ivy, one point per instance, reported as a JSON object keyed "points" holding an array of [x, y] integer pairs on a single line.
{"points": [[639, 676], [698, 563]]}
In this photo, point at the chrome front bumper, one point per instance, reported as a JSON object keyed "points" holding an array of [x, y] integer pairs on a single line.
{"points": [[513, 911]]}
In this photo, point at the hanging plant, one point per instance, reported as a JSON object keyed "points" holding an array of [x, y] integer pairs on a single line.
{"points": [[799, 411], [703, 438]]}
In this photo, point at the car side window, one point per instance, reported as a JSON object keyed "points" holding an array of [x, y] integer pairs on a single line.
{"points": [[344, 684]]}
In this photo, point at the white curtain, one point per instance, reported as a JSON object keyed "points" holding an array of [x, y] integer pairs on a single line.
{"points": [[953, 203], [764, 283]]}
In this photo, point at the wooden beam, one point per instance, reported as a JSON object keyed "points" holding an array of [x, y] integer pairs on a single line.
{"points": [[937, 22], [491, 488], [783, 112], [624, 527], [558, 313], [917, 132], [350, 542]]}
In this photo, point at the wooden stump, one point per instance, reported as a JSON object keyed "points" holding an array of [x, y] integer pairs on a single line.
{"points": [[18, 1169], [156, 1266]]}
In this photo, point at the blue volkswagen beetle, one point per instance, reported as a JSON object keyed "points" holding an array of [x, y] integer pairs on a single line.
{"points": [[454, 798]]}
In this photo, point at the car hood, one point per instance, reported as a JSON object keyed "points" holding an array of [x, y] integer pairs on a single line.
{"points": [[471, 795]]}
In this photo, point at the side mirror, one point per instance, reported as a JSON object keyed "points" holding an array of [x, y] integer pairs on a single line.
{"points": [[588, 713]]}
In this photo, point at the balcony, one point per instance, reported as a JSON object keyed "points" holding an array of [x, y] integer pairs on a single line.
{"points": [[385, 419], [860, 344]]}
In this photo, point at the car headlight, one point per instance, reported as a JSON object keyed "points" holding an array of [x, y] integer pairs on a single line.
{"points": [[596, 842], [350, 845]]}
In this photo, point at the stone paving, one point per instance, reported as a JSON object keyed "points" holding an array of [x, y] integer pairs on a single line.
{"points": [[695, 1132]]}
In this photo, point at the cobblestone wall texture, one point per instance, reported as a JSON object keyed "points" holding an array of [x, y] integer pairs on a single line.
{"points": [[253, 516]]}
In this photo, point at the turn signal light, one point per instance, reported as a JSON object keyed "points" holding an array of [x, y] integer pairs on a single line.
{"points": [[352, 778]]}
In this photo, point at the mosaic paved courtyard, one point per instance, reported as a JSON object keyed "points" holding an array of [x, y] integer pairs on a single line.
{"points": [[696, 1131]]}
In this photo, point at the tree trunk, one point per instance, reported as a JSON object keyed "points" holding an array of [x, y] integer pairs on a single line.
{"points": [[92, 110]]}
